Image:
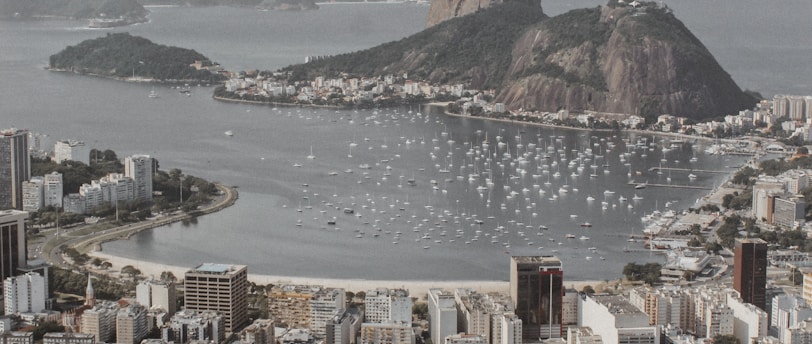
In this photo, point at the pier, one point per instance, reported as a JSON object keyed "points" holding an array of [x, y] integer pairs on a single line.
{"points": [[654, 169], [697, 187]]}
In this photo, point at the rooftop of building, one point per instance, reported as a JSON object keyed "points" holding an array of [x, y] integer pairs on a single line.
{"points": [[616, 304], [11, 212], [12, 131], [217, 269], [751, 241], [68, 335], [387, 292], [540, 260], [297, 289]]}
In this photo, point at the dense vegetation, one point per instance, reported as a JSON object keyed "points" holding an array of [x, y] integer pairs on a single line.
{"points": [[122, 55], [78, 9], [648, 273], [106, 288], [472, 49]]}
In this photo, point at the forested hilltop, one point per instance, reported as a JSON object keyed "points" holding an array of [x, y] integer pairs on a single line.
{"points": [[619, 58], [73, 9], [124, 56], [260, 4]]}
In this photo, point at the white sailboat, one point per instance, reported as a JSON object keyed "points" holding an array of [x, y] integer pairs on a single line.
{"points": [[311, 156]]}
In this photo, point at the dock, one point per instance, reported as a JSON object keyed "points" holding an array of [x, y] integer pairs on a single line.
{"points": [[675, 186], [654, 169]]}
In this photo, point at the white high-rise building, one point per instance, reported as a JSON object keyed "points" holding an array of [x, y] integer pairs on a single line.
{"points": [[32, 194], [385, 305], [506, 329], [442, 315], [616, 320], [749, 321], [323, 307], [157, 294], [71, 150], [52, 189], [139, 168], [24, 293], [718, 320]]}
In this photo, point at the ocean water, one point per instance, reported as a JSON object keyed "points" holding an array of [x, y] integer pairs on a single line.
{"points": [[763, 48]]}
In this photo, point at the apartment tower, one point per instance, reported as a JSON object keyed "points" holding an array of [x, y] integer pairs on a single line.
{"points": [[222, 288], [750, 271], [537, 289], [15, 167]]}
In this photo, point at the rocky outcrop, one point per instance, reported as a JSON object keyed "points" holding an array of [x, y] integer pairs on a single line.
{"points": [[442, 10], [622, 60]]}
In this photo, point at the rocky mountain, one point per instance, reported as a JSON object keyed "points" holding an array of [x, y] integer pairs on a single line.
{"points": [[73, 9], [442, 10], [615, 58]]}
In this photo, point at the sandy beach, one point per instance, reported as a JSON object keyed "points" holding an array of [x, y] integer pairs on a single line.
{"points": [[416, 288]]}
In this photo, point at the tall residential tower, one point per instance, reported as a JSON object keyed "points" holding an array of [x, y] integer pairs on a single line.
{"points": [[537, 289]]}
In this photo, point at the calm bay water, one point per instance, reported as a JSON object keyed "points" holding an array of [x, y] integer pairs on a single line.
{"points": [[261, 230]]}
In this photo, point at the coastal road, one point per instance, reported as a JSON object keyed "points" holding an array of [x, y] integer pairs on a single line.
{"points": [[54, 256]]}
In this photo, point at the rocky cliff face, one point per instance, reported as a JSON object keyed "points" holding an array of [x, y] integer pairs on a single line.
{"points": [[442, 10], [618, 59]]}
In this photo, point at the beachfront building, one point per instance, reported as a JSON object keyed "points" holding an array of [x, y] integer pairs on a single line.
{"points": [[324, 305], [387, 333], [442, 315], [388, 305], [537, 290], [52, 189], [139, 168], [616, 320], [289, 305], [222, 288], [24, 293], [71, 150], [339, 330]]}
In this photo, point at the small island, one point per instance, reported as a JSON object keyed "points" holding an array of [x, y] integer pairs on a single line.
{"points": [[131, 58], [98, 13]]}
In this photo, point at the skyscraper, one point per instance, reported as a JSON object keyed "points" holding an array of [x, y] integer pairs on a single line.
{"points": [[537, 289], [15, 167], [222, 288], [139, 168], [750, 271], [12, 242]]}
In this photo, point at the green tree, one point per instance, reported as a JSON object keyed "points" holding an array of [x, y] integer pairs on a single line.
{"points": [[725, 339], [130, 270]]}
